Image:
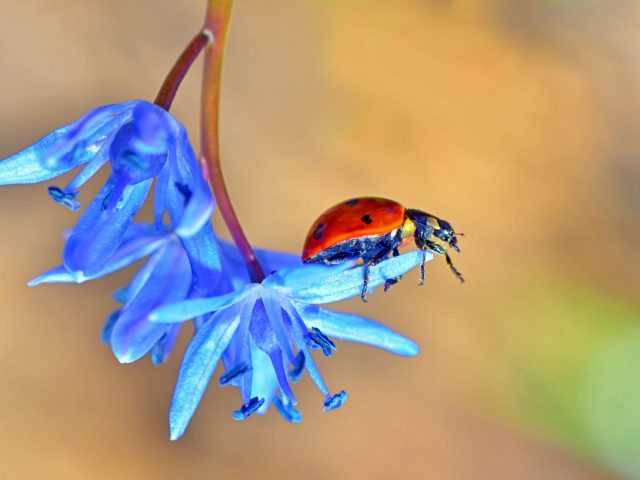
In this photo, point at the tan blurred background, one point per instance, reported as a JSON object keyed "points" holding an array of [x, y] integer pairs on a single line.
{"points": [[516, 121]]}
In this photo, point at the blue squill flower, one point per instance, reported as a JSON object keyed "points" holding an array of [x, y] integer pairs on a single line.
{"points": [[167, 277], [141, 141], [264, 333]]}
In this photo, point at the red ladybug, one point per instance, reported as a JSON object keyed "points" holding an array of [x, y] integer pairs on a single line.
{"points": [[371, 229]]}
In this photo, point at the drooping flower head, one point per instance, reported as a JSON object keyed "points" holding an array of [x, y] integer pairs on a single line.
{"points": [[140, 141], [265, 332], [166, 278]]}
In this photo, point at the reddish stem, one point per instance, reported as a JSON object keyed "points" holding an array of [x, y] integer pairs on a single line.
{"points": [[170, 86], [217, 22]]}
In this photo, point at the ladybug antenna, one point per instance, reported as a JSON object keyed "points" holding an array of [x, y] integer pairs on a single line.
{"points": [[458, 234]]}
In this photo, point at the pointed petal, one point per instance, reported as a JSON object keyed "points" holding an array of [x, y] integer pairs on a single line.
{"points": [[201, 247], [264, 382], [27, 166], [199, 362], [199, 203], [132, 249], [203, 253], [353, 328], [188, 309], [299, 330], [267, 340], [64, 149], [55, 275], [169, 281], [276, 320], [99, 232], [322, 285], [85, 137], [246, 347]]}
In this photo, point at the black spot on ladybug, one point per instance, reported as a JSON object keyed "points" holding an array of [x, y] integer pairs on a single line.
{"points": [[366, 219], [352, 203], [319, 231]]}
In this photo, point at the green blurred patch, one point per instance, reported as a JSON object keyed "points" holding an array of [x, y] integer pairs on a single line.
{"points": [[575, 356]]}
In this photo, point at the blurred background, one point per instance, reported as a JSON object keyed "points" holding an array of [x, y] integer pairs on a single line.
{"points": [[515, 121]]}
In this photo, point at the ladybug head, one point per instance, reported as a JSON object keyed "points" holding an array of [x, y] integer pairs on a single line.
{"points": [[432, 231]]}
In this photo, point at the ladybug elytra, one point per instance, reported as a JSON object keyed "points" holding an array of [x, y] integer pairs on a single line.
{"points": [[372, 229]]}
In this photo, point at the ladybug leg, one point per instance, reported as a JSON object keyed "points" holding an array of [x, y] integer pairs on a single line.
{"points": [[382, 255], [422, 262], [438, 249], [365, 284], [452, 268], [433, 247], [392, 281]]}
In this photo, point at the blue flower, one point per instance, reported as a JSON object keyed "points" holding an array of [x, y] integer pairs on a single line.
{"points": [[141, 142], [264, 334], [167, 277]]}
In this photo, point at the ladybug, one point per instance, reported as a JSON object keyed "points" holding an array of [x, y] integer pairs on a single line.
{"points": [[372, 229]]}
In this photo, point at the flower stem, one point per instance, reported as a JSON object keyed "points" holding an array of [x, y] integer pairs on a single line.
{"points": [[170, 86], [217, 22]]}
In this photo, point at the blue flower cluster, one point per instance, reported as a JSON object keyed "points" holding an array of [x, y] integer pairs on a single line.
{"points": [[264, 333]]}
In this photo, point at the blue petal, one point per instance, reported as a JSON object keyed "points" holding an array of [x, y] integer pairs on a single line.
{"points": [[266, 340], [186, 173], [199, 362], [202, 247], [133, 335], [64, 149], [353, 328], [55, 275], [270, 261], [264, 382], [244, 350], [26, 166], [107, 328], [161, 350], [139, 149], [85, 137], [300, 335], [325, 285], [188, 309], [99, 232], [276, 321], [137, 243]]}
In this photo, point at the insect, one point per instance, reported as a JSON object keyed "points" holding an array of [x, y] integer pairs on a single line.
{"points": [[372, 229]]}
